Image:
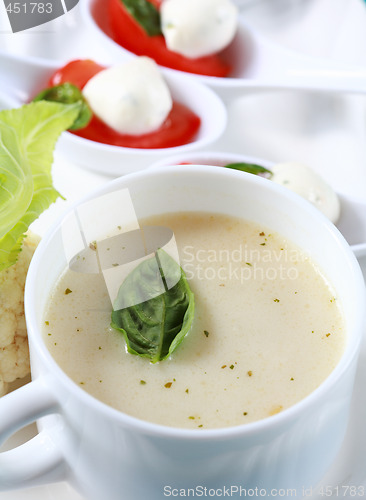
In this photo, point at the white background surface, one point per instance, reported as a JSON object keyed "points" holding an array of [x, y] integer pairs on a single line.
{"points": [[324, 131]]}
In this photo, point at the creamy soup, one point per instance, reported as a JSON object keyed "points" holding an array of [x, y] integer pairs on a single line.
{"points": [[267, 330]]}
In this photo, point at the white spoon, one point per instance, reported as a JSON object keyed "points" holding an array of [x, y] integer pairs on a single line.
{"points": [[257, 62], [22, 79]]}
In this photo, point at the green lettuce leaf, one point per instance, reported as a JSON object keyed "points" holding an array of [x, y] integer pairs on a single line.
{"points": [[28, 136], [156, 323]]}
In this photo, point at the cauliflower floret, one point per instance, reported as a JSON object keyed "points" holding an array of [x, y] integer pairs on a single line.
{"points": [[14, 354]]}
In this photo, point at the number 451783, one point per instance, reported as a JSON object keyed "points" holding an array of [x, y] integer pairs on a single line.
{"points": [[29, 8], [342, 491]]}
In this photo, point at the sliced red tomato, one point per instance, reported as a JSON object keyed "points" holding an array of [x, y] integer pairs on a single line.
{"points": [[77, 72], [180, 127], [128, 33]]}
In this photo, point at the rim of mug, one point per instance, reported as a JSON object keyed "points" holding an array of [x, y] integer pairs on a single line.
{"points": [[266, 424]]}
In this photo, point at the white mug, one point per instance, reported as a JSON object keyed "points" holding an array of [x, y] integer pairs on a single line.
{"points": [[104, 453]]}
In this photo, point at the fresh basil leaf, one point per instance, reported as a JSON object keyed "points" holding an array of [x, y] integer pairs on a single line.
{"points": [[146, 14], [28, 136], [162, 310], [67, 93], [251, 168]]}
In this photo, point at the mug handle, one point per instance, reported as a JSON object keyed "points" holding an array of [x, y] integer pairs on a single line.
{"points": [[39, 460]]}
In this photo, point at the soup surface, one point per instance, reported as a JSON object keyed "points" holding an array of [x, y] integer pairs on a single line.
{"points": [[267, 330]]}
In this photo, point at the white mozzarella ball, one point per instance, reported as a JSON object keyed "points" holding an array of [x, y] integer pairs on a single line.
{"points": [[310, 185], [196, 28], [132, 98]]}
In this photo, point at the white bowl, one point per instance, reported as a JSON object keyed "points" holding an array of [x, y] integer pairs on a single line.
{"points": [[22, 78]]}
